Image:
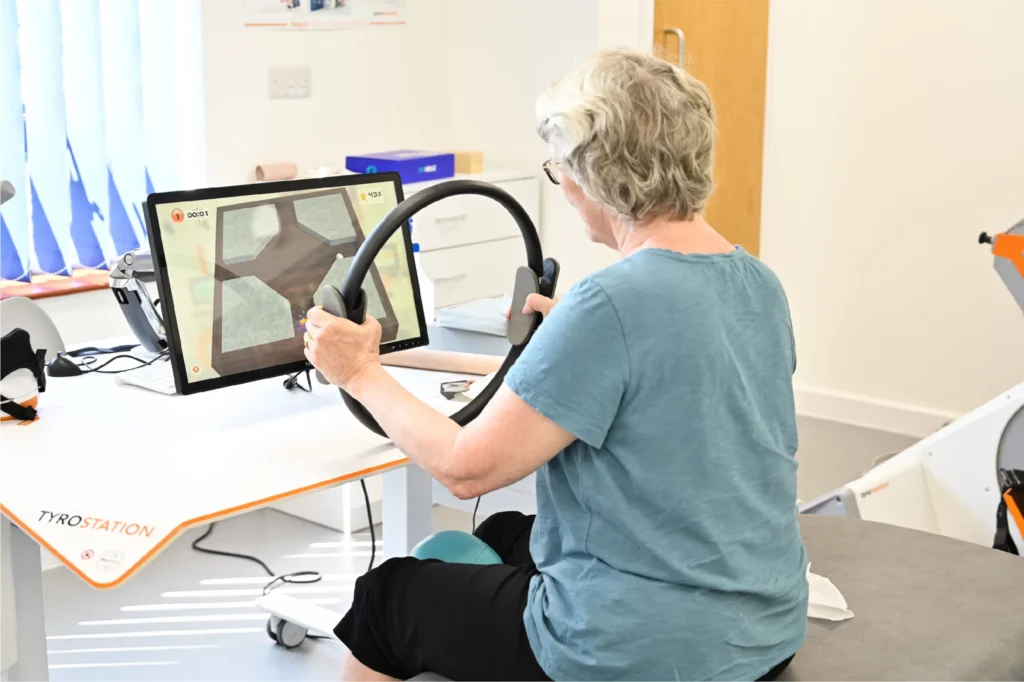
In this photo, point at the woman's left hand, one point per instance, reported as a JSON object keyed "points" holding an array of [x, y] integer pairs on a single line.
{"points": [[341, 349]]}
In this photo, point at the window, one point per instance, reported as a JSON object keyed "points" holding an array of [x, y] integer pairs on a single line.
{"points": [[100, 104]]}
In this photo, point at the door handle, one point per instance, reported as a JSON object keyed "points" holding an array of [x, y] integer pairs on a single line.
{"points": [[680, 39]]}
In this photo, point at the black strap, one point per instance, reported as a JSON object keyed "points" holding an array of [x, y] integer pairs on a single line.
{"points": [[25, 413], [38, 371], [18, 354], [1004, 540]]}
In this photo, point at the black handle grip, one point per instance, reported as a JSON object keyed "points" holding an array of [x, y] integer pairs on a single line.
{"points": [[358, 313], [549, 281]]}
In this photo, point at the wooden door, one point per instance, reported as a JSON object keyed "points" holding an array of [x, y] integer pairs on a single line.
{"points": [[726, 46]]}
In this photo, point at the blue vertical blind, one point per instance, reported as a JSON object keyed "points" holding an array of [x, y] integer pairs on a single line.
{"points": [[87, 128]]}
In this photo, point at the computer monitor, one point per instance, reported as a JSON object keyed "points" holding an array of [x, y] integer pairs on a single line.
{"points": [[239, 267]]}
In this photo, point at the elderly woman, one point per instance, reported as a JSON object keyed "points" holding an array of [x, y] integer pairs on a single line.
{"points": [[656, 406]]}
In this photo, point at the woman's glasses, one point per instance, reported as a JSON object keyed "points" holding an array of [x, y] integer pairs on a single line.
{"points": [[553, 172]]}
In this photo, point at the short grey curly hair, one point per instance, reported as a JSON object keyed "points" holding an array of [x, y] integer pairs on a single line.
{"points": [[635, 132]]}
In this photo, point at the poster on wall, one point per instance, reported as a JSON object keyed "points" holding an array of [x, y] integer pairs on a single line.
{"points": [[323, 15]]}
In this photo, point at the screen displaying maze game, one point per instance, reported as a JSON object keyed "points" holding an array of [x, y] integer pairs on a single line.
{"points": [[243, 272]]}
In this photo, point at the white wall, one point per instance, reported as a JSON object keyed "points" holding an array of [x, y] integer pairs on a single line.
{"points": [[502, 55], [894, 136], [372, 89], [625, 23]]}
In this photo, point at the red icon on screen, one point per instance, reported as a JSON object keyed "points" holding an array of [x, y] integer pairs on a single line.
{"points": [[87, 554], [177, 215]]}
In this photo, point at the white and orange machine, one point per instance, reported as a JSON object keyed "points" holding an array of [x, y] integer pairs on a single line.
{"points": [[966, 480]]}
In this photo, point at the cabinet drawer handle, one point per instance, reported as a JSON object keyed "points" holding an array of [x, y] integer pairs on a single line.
{"points": [[451, 278], [450, 218]]}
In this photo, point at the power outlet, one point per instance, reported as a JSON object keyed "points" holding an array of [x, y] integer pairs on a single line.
{"points": [[289, 82]]}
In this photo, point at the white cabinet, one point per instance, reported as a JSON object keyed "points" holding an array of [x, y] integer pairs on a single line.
{"points": [[466, 273], [470, 246]]}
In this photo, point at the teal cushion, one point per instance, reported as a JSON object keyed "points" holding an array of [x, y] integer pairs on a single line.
{"points": [[456, 547]]}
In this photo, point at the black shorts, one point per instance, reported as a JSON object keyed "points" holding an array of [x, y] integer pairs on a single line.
{"points": [[460, 621]]}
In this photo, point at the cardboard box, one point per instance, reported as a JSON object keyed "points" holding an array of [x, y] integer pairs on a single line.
{"points": [[469, 162], [411, 165]]}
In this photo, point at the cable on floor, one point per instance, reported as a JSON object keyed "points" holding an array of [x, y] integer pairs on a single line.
{"points": [[298, 577]]}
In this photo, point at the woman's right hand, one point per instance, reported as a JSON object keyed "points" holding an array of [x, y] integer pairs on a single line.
{"points": [[535, 303]]}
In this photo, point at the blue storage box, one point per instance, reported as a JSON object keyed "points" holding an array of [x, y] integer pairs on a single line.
{"points": [[412, 165]]}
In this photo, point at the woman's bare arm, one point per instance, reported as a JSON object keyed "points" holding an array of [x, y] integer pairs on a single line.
{"points": [[507, 442]]}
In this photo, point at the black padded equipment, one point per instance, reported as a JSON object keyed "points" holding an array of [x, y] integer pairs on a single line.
{"points": [[352, 299], [16, 353]]}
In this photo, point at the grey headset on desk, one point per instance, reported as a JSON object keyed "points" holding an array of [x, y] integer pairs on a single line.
{"points": [[538, 276]]}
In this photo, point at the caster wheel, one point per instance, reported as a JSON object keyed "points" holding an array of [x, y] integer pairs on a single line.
{"points": [[289, 635], [271, 626]]}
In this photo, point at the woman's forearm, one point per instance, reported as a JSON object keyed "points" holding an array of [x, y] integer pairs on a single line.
{"points": [[426, 436]]}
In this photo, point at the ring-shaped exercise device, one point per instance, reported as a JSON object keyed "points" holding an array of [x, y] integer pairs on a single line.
{"points": [[537, 276]]}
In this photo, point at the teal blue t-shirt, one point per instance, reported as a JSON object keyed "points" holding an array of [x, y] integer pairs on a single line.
{"points": [[666, 534]]}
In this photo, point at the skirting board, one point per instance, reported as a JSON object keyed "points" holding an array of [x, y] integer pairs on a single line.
{"points": [[882, 415]]}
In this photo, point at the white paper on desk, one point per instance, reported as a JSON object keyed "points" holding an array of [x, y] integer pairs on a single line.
{"points": [[826, 601]]}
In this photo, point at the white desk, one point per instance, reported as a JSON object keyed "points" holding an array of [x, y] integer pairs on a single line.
{"points": [[110, 475]]}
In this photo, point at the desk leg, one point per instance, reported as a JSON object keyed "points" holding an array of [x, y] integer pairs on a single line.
{"points": [[27, 573], [408, 509]]}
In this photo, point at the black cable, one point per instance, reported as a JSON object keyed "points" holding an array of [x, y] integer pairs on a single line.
{"points": [[89, 361], [310, 576], [476, 508], [369, 519], [93, 350], [219, 552], [313, 576]]}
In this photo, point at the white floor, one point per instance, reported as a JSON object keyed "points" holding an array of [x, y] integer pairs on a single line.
{"points": [[190, 616]]}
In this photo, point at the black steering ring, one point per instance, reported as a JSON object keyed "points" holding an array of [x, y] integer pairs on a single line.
{"points": [[538, 276]]}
